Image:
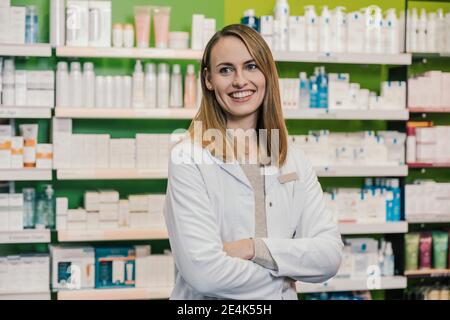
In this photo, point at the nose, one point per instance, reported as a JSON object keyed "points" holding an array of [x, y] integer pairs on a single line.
{"points": [[239, 80]]}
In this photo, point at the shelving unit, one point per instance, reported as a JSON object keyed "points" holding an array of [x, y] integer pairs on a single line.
{"points": [[26, 296], [25, 236], [30, 174], [429, 110], [25, 112], [110, 235], [26, 50], [115, 294], [362, 171], [334, 285], [188, 54], [379, 228]]}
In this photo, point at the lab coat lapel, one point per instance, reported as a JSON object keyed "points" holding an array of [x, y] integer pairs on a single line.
{"points": [[234, 169]]}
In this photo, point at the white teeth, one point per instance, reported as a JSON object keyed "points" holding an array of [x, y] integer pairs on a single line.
{"points": [[241, 94]]}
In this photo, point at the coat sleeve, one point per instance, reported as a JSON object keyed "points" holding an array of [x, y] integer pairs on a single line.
{"points": [[197, 248], [314, 254]]}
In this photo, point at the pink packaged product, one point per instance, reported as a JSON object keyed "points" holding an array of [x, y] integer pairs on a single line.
{"points": [[425, 247]]}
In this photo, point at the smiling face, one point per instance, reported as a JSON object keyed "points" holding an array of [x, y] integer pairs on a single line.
{"points": [[238, 83]]}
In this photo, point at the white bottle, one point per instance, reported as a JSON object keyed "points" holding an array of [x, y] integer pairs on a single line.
{"points": [[100, 92], [88, 85], [303, 91], [311, 29], [391, 31], [176, 87], [440, 30], [190, 88], [62, 85], [199, 89], [411, 149], [432, 35], [109, 92], [401, 32], [138, 85], [338, 33], [276, 35], [413, 30], [118, 92], [368, 30], [8, 92], [447, 33], [324, 30], [281, 13], [422, 32], [127, 91], [377, 32], [150, 85], [163, 86], [76, 85], [388, 261]]}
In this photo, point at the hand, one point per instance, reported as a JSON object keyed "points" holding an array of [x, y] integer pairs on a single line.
{"points": [[244, 249]]}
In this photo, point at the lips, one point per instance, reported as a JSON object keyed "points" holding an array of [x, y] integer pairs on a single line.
{"points": [[241, 96]]}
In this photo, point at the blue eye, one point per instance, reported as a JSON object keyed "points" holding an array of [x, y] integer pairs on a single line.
{"points": [[251, 66], [225, 70]]}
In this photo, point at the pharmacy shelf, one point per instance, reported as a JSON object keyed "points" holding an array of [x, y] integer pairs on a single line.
{"points": [[428, 165], [315, 114], [428, 273], [30, 174], [26, 296], [350, 58], [124, 113], [325, 114], [333, 285], [25, 112], [26, 50], [428, 218], [428, 110], [188, 54], [110, 174], [378, 228], [132, 53], [110, 235], [361, 171], [25, 236], [116, 294], [136, 174]]}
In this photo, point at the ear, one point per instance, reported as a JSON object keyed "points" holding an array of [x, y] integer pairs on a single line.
{"points": [[208, 83]]}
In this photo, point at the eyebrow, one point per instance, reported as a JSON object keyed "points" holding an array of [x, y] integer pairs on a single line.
{"points": [[230, 64]]}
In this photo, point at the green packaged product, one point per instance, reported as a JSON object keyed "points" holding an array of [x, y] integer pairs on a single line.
{"points": [[411, 251], [440, 248]]}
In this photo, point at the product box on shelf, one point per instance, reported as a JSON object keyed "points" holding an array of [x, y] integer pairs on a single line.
{"points": [[115, 267]]}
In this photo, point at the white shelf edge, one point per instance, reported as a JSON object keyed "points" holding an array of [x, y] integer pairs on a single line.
{"points": [[378, 228], [345, 57], [25, 174], [26, 296], [124, 113], [116, 294], [130, 174], [361, 171], [111, 235], [135, 53], [427, 218], [26, 50], [189, 54], [110, 174], [334, 285], [182, 113], [25, 236], [25, 112]]}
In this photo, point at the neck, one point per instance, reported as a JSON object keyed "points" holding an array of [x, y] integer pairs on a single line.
{"points": [[245, 123]]}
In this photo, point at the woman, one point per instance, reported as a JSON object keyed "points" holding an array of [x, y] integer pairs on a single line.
{"points": [[237, 229]]}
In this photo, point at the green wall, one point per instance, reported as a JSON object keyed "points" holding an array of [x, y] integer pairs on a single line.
{"points": [[225, 12]]}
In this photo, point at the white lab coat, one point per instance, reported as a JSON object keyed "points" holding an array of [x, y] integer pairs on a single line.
{"points": [[213, 202]]}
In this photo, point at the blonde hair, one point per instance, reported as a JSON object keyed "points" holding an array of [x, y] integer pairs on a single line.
{"points": [[270, 116]]}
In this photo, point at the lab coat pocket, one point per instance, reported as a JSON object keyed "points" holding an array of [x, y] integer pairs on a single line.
{"points": [[238, 215]]}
